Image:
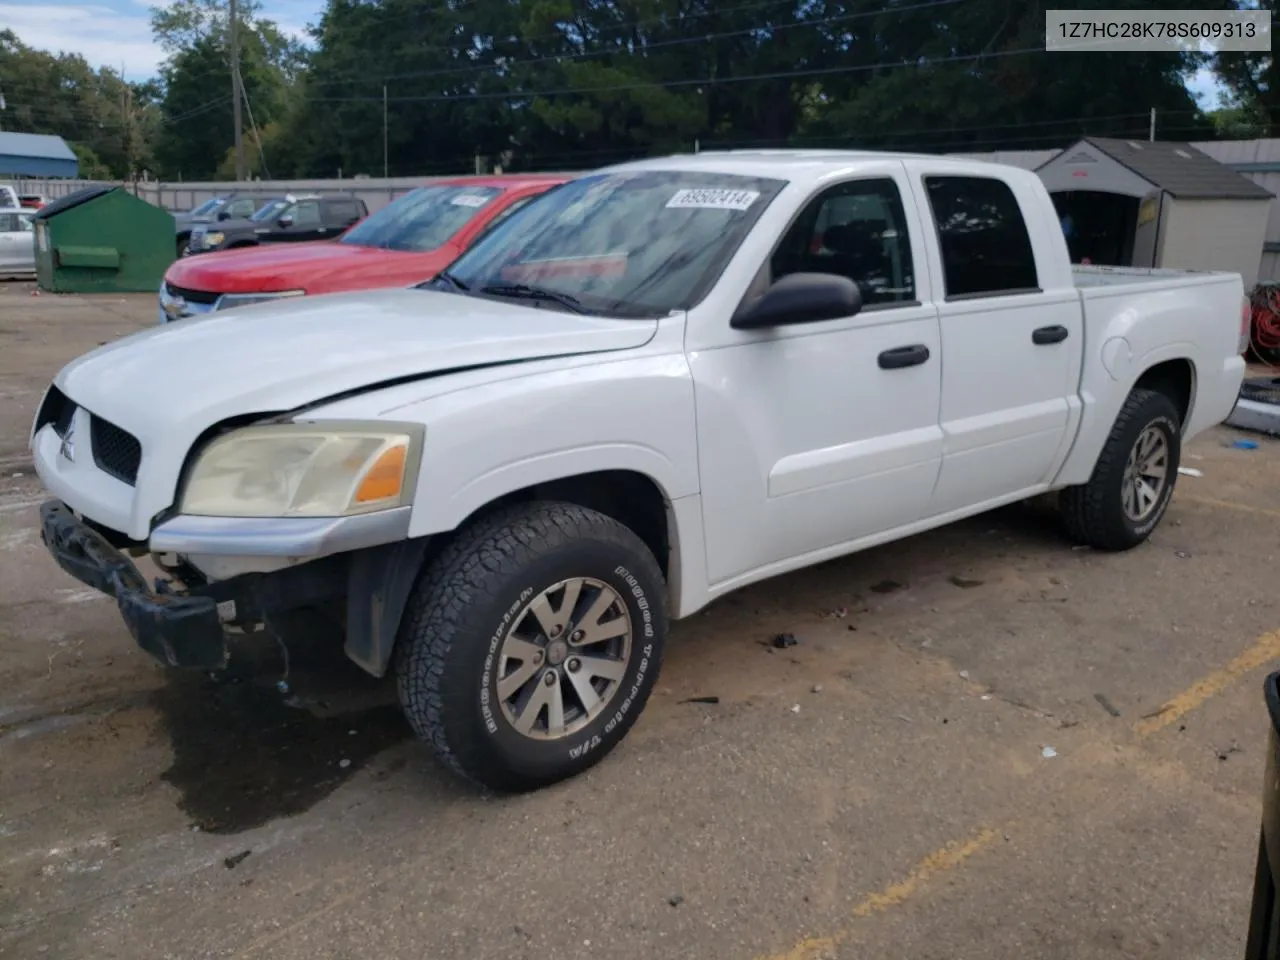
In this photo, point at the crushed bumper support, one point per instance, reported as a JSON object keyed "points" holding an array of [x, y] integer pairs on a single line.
{"points": [[178, 630]]}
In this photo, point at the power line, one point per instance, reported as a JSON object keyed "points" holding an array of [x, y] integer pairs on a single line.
{"points": [[686, 82], [505, 64]]}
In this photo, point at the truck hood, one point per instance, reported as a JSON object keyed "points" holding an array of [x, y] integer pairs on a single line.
{"points": [[168, 384], [300, 266]]}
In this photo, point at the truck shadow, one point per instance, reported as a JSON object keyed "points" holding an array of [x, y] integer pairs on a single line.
{"points": [[245, 753]]}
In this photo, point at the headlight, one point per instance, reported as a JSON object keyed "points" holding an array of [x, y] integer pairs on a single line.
{"points": [[213, 239], [305, 470], [229, 300]]}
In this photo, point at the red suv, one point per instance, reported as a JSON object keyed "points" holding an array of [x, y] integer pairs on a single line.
{"points": [[408, 241]]}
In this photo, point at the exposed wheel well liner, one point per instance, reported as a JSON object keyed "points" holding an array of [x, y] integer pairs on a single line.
{"points": [[629, 497]]}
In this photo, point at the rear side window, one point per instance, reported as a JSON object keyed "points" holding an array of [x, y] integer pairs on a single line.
{"points": [[986, 250], [9, 223], [344, 210]]}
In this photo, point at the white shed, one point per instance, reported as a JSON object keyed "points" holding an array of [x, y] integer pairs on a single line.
{"points": [[1150, 203]]}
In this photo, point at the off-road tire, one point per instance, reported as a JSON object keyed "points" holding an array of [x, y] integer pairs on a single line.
{"points": [[458, 615], [1093, 513]]}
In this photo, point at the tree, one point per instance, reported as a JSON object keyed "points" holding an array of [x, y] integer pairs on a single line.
{"points": [[197, 128], [1253, 80], [93, 110]]}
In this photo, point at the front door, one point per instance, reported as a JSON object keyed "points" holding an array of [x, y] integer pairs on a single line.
{"points": [[307, 223], [817, 435], [1012, 337]]}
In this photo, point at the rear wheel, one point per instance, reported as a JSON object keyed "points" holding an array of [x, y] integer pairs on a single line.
{"points": [[531, 644], [1133, 480]]}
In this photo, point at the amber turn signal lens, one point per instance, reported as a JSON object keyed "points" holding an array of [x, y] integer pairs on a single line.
{"points": [[384, 478]]}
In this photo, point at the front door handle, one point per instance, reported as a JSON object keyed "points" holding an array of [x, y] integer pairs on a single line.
{"points": [[1043, 335], [900, 357]]}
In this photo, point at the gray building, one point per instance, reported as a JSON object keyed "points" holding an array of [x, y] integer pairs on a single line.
{"points": [[36, 155], [1157, 204]]}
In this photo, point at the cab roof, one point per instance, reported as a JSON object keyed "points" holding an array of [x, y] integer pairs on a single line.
{"points": [[802, 165]]}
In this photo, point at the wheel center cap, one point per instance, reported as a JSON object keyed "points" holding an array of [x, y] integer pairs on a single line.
{"points": [[557, 650]]}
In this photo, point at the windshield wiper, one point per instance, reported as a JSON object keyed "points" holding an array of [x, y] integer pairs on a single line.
{"points": [[526, 292], [452, 281]]}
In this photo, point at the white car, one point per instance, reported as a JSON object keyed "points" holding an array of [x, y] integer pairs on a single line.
{"points": [[17, 242], [654, 385]]}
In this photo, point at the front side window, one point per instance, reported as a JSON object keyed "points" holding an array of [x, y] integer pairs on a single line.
{"points": [[206, 207], [241, 208], [423, 219], [857, 230], [306, 213], [272, 210], [638, 243], [986, 250]]}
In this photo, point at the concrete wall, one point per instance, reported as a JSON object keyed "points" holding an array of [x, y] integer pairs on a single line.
{"points": [[376, 193], [1214, 235]]}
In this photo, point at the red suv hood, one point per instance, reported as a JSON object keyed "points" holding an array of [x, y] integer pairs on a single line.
{"points": [[324, 266]]}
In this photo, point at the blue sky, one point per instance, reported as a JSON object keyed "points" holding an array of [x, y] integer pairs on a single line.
{"points": [[117, 33]]}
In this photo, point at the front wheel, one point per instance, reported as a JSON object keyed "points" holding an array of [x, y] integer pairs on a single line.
{"points": [[531, 644], [1133, 480]]}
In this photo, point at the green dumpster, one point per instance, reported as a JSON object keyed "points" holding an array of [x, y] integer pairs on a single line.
{"points": [[102, 240]]}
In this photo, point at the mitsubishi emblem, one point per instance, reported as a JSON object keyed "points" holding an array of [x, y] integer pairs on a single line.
{"points": [[68, 447]]}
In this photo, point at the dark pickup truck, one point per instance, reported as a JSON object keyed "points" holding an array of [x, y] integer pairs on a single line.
{"points": [[289, 219]]}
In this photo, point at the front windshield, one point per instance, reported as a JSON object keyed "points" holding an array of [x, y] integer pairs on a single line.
{"points": [[628, 243], [207, 206], [271, 211], [422, 219]]}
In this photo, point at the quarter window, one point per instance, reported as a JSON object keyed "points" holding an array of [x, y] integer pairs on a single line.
{"points": [[857, 230], [986, 250]]}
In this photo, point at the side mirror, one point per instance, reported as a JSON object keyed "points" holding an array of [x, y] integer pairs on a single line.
{"points": [[800, 298], [285, 222], [223, 215]]}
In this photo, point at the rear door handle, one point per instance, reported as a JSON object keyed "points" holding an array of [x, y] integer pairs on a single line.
{"points": [[1043, 335], [900, 357]]}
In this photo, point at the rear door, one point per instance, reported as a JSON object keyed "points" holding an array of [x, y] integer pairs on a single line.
{"points": [[1011, 336], [340, 215]]}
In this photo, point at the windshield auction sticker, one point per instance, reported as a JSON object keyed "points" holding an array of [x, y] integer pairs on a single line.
{"points": [[469, 200], [707, 199]]}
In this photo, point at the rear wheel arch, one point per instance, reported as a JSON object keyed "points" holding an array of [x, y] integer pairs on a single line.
{"points": [[1175, 379]]}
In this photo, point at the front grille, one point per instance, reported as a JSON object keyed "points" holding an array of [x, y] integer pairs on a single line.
{"points": [[57, 409], [193, 296], [115, 451]]}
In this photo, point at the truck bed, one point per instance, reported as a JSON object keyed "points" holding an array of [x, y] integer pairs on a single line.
{"points": [[1093, 276]]}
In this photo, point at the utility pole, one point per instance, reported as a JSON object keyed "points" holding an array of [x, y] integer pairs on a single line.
{"points": [[1152, 134], [233, 30], [385, 165]]}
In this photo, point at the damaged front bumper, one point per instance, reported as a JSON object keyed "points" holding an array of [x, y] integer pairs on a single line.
{"points": [[179, 630]]}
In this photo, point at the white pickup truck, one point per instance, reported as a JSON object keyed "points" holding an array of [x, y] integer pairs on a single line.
{"points": [[658, 383]]}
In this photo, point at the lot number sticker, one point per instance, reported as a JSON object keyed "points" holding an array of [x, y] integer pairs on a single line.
{"points": [[469, 200], [701, 199]]}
